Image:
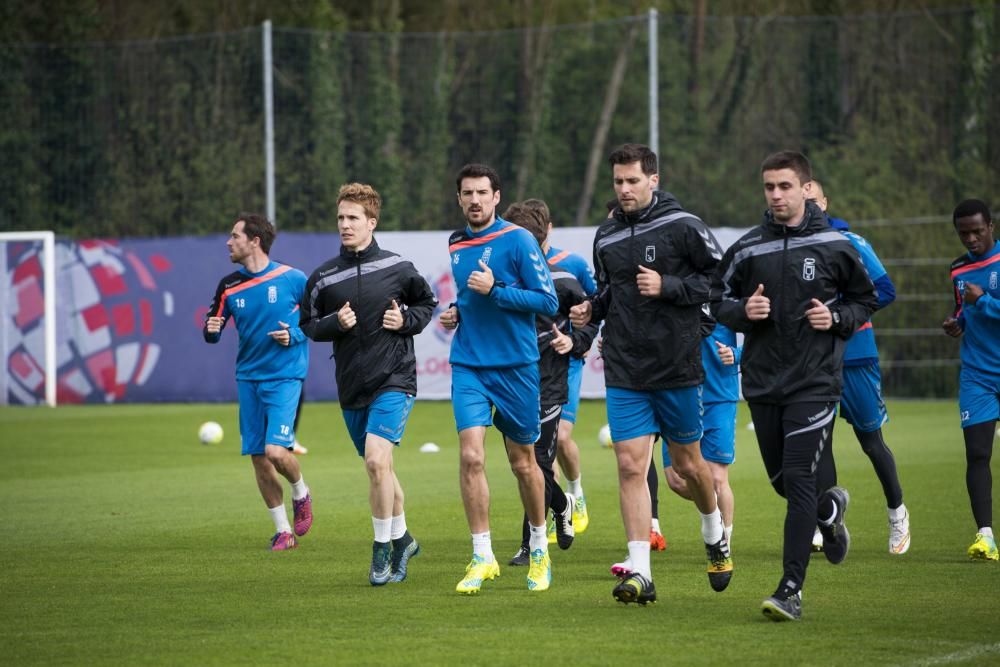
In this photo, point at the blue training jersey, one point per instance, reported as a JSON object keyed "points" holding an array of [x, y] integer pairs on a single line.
{"points": [[257, 302], [570, 262], [722, 384], [980, 321], [497, 330], [861, 349]]}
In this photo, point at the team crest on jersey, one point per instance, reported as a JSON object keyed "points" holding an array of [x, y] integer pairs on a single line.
{"points": [[809, 268], [651, 253], [485, 259], [993, 280], [272, 294], [456, 259]]}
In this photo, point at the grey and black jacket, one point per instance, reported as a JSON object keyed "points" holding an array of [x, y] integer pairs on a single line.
{"points": [[784, 359], [370, 359], [653, 343]]}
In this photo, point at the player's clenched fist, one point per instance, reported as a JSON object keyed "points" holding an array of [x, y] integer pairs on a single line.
{"points": [[481, 282], [346, 316], [393, 318], [952, 327], [580, 314], [758, 306], [649, 281], [561, 343], [213, 325], [725, 353], [449, 318]]}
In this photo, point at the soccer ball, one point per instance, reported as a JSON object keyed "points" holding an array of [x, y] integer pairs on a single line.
{"points": [[210, 433], [604, 436]]}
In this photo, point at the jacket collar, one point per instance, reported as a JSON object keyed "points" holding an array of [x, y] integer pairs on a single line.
{"points": [[362, 256], [813, 220]]}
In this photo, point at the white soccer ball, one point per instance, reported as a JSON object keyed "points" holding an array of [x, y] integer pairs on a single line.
{"points": [[604, 436], [210, 433]]}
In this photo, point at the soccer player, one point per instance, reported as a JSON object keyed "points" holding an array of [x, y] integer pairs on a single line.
{"points": [[262, 297], [567, 451], [503, 282], [370, 303], [653, 262], [977, 320], [720, 394], [797, 290], [862, 404], [554, 348]]}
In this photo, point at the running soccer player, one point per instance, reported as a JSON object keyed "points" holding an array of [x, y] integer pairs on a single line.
{"points": [[977, 320], [370, 303], [262, 298], [503, 282], [797, 290], [862, 404], [567, 451], [653, 262], [720, 356], [554, 348]]}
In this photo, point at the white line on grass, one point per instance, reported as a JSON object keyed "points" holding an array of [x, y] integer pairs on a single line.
{"points": [[960, 656]]}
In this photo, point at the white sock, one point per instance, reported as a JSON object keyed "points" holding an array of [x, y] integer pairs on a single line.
{"points": [[898, 513], [383, 528], [280, 518], [537, 539], [574, 486], [729, 534], [638, 555], [987, 531], [656, 525], [482, 546], [299, 489], [711, 527], [398, 526]]}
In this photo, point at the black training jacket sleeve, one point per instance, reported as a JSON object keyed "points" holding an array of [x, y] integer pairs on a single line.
{"points": [[420, 303], [858, 297], [317, 326], [703, 253], [728, 305]]}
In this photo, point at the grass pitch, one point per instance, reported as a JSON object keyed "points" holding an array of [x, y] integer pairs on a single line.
{"points": [[128, 542]]}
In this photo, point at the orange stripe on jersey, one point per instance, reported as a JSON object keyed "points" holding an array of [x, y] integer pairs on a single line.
{"points": [[250, 283], [978, 265], [558, 258], [481, 240], [866, 325]]}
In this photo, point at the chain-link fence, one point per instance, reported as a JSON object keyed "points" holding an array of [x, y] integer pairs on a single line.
{"points": [[158, 138]]}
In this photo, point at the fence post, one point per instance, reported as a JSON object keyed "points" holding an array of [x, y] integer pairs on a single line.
{"points": [[269, 123], [654, 84]]}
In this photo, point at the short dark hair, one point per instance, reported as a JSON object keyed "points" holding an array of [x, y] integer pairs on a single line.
{"points": [[476, 170], [540, 206], [529, 217], [793, 160], [969, 208], [629, 153], [257, 225]]}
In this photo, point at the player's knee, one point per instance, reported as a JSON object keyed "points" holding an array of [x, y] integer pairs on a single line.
{"points": [[471, 461]]}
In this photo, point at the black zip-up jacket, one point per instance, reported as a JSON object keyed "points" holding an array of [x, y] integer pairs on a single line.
{"points": [[370, 359], [784, 359], [553, 368], [653, 343]]}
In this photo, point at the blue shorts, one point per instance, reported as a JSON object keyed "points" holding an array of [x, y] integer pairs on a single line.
{"points": [[718, 441], [574, 381], [862, 404], [385, 417], [513, 392], [673, 413], [978, 396], [267, 413]]}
